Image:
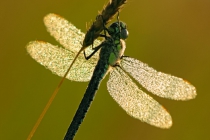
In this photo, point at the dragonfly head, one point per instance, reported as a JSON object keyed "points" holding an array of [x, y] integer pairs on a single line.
{"points": [[118, 29]]}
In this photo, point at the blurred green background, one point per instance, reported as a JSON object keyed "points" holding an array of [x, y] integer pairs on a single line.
{"points": [[171, 36]]}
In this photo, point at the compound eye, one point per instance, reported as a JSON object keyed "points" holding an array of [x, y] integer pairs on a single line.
{"points": [[124, 34]]}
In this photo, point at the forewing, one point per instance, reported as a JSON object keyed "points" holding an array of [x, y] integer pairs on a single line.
{"points": [[67, 34], [158, 83], [135, 102], [58, 60]]}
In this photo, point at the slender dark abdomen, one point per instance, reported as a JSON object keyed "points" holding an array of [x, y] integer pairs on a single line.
{"points": [[98, 74]]}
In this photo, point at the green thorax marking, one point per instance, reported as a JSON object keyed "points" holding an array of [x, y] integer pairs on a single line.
{"points": [[114, 46]]}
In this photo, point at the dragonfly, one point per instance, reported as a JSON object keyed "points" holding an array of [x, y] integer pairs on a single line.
{"points": [[123, 70]]}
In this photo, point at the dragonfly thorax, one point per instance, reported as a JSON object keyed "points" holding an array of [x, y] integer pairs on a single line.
{"points": [[112, 50], [118, 30]]}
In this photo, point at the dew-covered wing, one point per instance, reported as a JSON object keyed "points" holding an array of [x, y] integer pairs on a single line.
{"points": [[67, 34], [58, 60], [158, 83], [135, 102]]}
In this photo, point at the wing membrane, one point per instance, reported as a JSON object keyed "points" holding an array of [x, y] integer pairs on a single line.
{"points": [[135, 102], [58, 60], [66, 33], [161, 84]]}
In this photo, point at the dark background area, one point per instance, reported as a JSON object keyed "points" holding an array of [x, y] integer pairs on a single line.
{"points": [[171, 36]]}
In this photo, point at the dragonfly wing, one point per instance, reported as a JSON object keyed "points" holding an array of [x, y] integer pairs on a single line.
{"points": [[135, 102], [58, 60], [161, 84], [67, 34]]}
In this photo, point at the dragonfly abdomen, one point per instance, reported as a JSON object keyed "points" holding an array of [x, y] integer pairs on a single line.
{"points": [[99, 73]]}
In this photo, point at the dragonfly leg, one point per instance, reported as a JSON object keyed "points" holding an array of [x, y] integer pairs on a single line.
{"points": [[104, 28], [100, 35], [124, 56], [95, 50], [92, 40], [118, 19], [93, 30], [117, 65]]}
